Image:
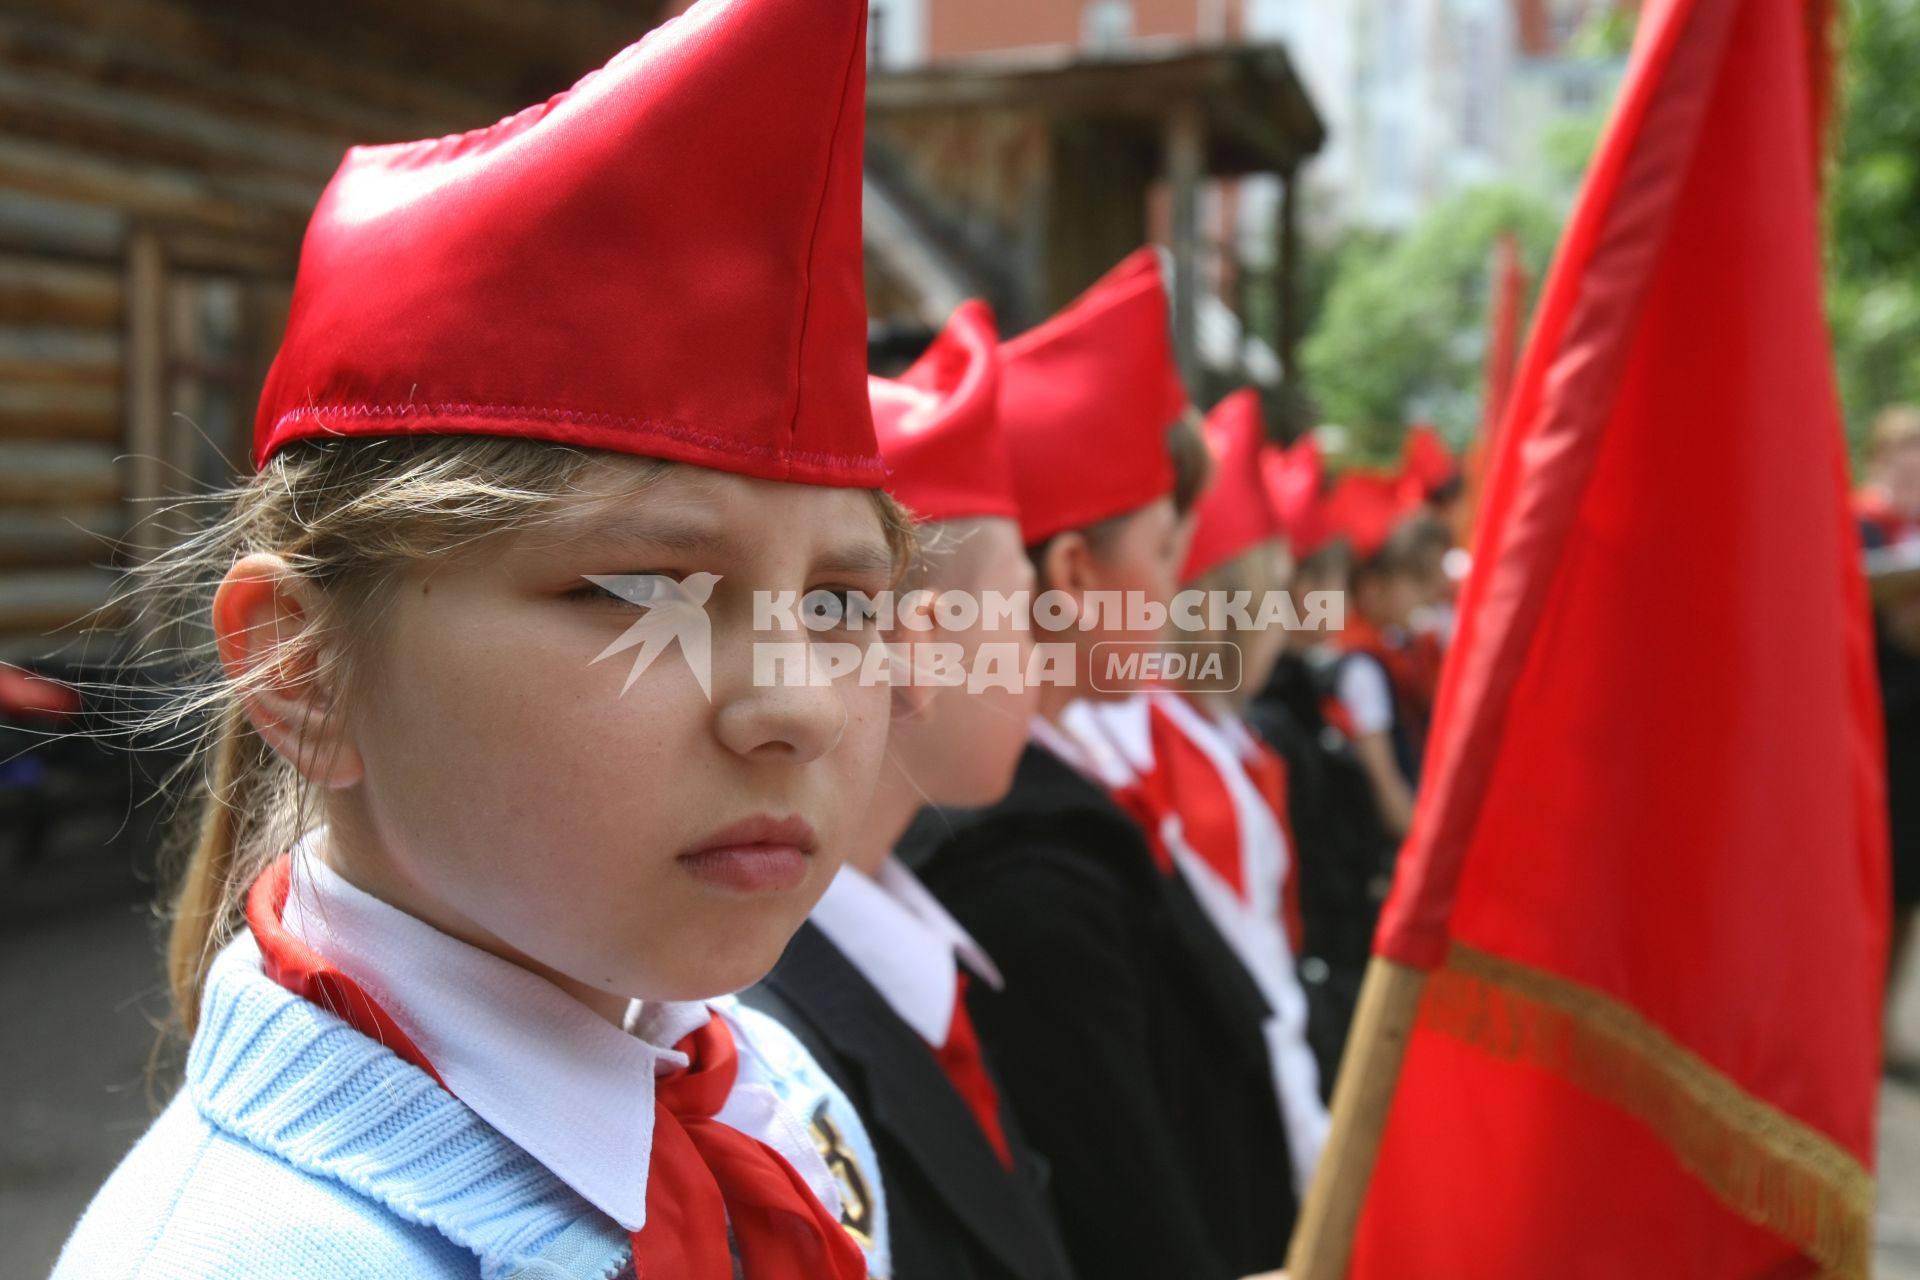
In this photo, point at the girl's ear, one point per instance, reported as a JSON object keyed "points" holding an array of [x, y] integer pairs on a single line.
{"points": [[1067, 564], [913, 690], [263, 620]]}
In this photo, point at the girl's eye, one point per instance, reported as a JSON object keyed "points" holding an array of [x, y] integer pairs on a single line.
{"points": [[624, 588], [829, 608]]}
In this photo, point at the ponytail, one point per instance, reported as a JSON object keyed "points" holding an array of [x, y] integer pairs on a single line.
{"points": [[208, 901]]}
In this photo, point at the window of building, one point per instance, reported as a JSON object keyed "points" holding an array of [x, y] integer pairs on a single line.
{"points": [[1567, 15], [1106, 24]]}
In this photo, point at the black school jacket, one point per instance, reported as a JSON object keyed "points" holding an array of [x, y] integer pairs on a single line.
{"points": [[954, 1212], [1128, 1039]]}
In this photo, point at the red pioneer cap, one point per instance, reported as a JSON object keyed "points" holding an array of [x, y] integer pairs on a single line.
{"points": [[664, 260], [939, 425], [1086, 399]]}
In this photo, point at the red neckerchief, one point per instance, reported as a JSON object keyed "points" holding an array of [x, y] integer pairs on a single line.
{"points": [[1871, 507], [1182, 782], [1185, 782], [966, 1069], [1269, 774], [1335, 713], [1412, 667], [704, 1175]]}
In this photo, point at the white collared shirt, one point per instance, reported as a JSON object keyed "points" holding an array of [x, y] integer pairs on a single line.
{"points": [[558, 1080], [904, 942]]}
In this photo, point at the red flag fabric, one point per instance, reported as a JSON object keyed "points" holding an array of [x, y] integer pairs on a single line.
{"points": [[1503, 341], [1648, 873], [1503, 332]]}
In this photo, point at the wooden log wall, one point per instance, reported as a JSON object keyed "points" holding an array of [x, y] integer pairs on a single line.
{"points": [[158, 160]]}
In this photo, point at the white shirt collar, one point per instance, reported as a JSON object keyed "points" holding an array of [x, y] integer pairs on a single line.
{"points": [[561, 1082], [904, 942], [1114, 737]]}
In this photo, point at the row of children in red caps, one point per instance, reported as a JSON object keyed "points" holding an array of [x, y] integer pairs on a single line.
{"points": [[455, 942]]}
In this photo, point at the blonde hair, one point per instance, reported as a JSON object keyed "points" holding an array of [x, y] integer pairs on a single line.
{"points": [[1896, 426], [348, 516]]}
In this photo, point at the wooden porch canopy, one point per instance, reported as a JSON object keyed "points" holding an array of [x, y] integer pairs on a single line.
{"points": [[1035, 174]]}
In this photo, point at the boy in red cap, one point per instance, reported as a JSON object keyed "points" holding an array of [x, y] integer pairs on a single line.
{"points": [[583, 385], [1128, 1036], [1210, 796], [1386, 585], [875, 983]]}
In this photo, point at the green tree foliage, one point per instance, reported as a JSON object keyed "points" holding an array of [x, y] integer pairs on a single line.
{"points": [[1873, 213], [1402, 331], [1396, 326]]}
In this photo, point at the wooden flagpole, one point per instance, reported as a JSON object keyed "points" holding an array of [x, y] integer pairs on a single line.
{"points": [[1323, 1240]]}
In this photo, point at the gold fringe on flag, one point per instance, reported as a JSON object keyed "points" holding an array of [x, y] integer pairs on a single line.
{"points": [[1762, 1163]]}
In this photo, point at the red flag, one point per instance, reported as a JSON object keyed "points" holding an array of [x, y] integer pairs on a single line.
{"points": [[1648, 875], [1503, 333], [1503, 340]]}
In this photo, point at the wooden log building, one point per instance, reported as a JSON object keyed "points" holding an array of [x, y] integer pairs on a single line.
{"points": [[158, 160]]}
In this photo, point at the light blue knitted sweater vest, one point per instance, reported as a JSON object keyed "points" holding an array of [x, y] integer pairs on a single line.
{"points": [[301, 1149]]}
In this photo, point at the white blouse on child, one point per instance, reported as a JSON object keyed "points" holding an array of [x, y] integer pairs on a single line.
{"points": [[562, 1083]]}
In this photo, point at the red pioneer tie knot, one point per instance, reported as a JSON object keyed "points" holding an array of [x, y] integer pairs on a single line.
{"points": [[966, 1068], [709, 1179]]}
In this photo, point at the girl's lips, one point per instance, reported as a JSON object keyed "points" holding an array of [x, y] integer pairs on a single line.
{"points": [[751, 868], [762, 854]]}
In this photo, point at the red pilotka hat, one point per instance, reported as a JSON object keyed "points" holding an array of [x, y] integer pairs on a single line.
{"points": [[1086, 399], [664, 260], [1425, 465], [1363, 507], [1234, 514], [1294, 477], [939, 425]]}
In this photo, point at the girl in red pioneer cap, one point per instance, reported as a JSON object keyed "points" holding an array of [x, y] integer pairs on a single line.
{"points": [[494, 802]]}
